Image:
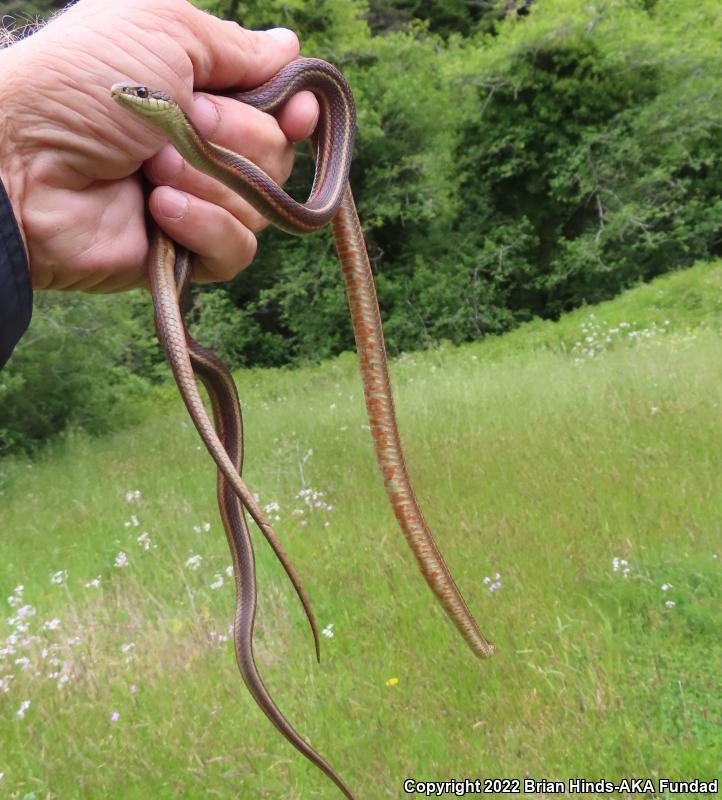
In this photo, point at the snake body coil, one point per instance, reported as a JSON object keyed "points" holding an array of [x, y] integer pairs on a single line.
{"points": [[330, 200]]}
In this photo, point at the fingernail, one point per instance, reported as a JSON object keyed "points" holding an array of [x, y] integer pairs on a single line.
{"points": [[284, 35], [173, 204], [206, 114]]}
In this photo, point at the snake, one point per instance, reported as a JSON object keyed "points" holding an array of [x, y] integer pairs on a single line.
{"points": [[170, 268]]}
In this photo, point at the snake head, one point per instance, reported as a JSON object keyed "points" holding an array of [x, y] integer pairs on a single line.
{"points": [[142, 100]]}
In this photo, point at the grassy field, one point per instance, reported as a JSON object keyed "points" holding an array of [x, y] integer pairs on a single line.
{"points": [[579, 461]]}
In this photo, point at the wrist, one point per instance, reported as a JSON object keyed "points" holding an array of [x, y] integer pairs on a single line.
{"points": [[12, 170]]}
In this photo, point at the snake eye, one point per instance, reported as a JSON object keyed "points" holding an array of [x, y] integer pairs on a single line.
{"points": [[141, 92]]}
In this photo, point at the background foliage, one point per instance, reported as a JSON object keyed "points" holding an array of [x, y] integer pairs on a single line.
{"points": [[512, 161]]}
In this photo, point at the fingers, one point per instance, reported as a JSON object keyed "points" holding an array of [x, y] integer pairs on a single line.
{"points": [[223, 245], [298, 118], [203, 214], [239, 128], [226, 55]]}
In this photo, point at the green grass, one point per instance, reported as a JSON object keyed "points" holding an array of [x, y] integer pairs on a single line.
{"points": [[531, 458]]}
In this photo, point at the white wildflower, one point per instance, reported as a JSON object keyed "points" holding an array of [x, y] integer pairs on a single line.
{"points": [[23, 613], [16, 597], [194, 561], [144, 541], [621, 565], [24, 706]]}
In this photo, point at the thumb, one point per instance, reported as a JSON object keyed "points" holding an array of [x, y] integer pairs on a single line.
{"points": [[225, 55]]}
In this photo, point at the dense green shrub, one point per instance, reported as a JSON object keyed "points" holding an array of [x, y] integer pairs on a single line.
{"points": [[78, 366], [605, 161]]}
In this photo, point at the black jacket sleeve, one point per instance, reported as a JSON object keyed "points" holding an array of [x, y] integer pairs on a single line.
{"points": [[16, 297]]}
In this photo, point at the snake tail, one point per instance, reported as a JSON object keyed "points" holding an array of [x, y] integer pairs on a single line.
{"points": [[214, 375], [384, 429]]}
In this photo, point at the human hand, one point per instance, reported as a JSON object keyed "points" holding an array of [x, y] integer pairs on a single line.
{"points": [[69, 157]]}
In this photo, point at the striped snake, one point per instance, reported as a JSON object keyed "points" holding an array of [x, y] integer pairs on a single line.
{"points": [[170, 270]]}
